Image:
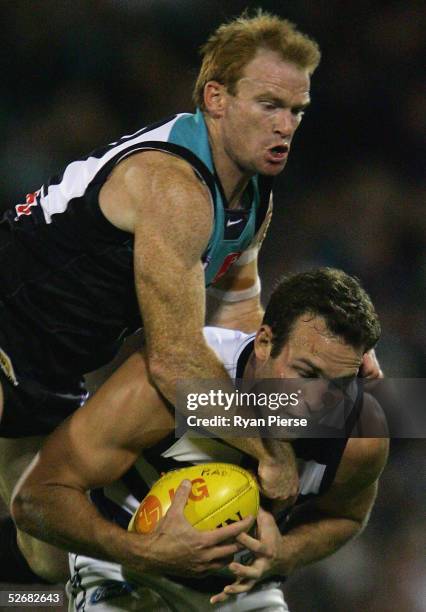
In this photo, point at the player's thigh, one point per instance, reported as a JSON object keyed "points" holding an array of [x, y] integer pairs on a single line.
{"points": [[15, 456]]}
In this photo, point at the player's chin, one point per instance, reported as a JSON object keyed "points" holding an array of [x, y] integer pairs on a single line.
{"points": [[269, 168]]}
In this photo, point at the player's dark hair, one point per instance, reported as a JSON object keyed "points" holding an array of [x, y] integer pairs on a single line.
{"points": [[332, 294]]}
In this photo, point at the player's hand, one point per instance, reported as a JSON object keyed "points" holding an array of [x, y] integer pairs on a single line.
{"points": [[370, 367], [266, 550], [175, 547], [279, 478]]}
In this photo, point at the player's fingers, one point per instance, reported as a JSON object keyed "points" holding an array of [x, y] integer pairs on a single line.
{"points": [[249, 542], [265, 523], [229, 532], [220, 552], [180, 498], [220, 597], [239, 587], [246, 572]]}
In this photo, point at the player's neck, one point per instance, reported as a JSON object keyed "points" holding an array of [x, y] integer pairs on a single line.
{"points": [[233, 179]]}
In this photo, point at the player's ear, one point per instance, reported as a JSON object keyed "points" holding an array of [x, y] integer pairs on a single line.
{"points": [[214, 98], [263, 343]]}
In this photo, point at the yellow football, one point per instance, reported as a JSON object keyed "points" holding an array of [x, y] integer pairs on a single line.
{"points": [[222, 493]]}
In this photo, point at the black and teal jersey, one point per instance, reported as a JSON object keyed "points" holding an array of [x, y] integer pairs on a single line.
{"points": [[233, 231], [67, 295]]}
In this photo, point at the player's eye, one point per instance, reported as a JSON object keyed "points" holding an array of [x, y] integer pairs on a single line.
{"points": [[306, 374], [268, 105]]}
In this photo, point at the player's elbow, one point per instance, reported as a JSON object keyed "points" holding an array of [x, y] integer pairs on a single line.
{"points": [[167, 369]]}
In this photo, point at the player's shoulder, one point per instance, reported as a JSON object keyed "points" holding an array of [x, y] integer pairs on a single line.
{"points": [[155, 165]]}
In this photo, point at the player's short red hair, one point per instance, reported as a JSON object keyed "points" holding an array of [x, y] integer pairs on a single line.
{"points": [[233, 45]]}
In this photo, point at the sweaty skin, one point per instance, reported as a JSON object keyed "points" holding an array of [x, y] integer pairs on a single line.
{"points": [[148, 194], [173, 317], [97, 445], [151, 192]]}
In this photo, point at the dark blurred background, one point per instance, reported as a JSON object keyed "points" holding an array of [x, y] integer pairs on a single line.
{"points": [[77, 74]]}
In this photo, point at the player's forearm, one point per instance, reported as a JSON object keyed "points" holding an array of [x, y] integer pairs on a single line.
{"points": [[65, 517], [316, 539], [200, 365]]}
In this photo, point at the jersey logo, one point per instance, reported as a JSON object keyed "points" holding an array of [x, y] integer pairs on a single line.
{"points": [[229, 222], [25, 209], [227, 263], [110, 589]]}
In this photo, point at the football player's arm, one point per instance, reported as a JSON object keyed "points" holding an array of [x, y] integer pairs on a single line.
{"points": [[319, 528], [94, 448], [172, 226], [234, 300], [341, 513]]}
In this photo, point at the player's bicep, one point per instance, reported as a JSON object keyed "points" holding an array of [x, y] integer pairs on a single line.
{"points": [[77, 455], [172, 229], [104, 437]]}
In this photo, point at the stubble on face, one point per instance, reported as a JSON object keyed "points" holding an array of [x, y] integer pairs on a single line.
{"points": [[262, 113], [313, 350]]}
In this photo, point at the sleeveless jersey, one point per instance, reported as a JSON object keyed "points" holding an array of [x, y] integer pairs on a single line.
{"points": [[318, 459], [67, 295]]}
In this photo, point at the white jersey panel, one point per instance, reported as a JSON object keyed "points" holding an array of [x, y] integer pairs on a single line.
{"points": [[78, 175], [228, 344], [201, 450], [310, 476]]}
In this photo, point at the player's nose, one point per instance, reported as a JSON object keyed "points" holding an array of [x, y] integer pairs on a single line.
{"points": [[286, 123]]}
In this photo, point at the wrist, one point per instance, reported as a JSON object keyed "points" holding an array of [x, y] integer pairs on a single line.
{"points": [[281, 451], [118, 545], [285, 562]]}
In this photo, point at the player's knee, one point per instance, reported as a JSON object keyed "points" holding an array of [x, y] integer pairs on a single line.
{"points": [[45, 560]]}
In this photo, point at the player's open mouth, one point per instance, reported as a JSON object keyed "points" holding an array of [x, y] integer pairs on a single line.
{"points": [[278, 153]]}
